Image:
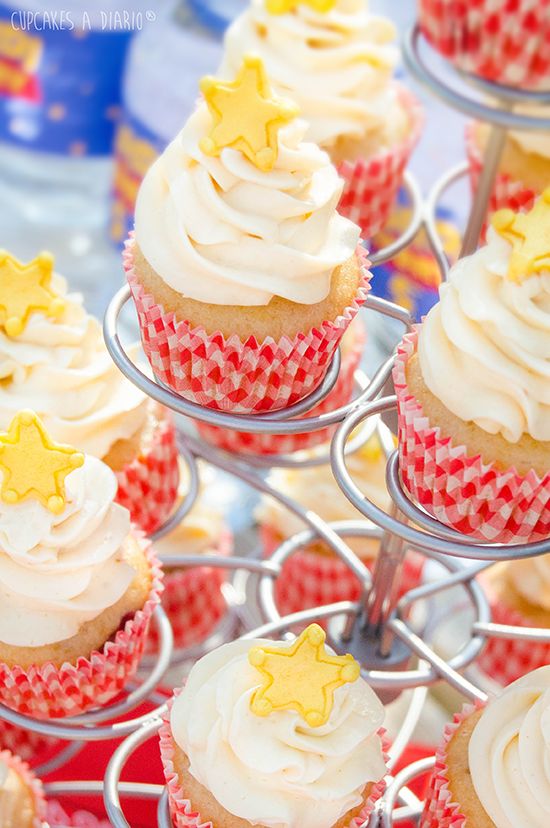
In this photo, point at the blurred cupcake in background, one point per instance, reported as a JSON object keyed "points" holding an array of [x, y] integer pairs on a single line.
{"points": [[524, 170], [491, 768], [242, 442], [79, 585], [244, 275], [314, 576], [193, 598], [519, 594], [473, 388], [501, 41], [53, 359], [337, 61], [22, 802]]}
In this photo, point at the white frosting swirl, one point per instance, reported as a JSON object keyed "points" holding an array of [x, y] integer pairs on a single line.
{"points": [[221, 231], [337, 66], [484, 349], [62, 370], [509, 754], [275, 771], [59, 571], [315, 489]]}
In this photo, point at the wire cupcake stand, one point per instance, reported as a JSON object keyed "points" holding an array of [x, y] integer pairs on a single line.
{"points": [[382, 630]]}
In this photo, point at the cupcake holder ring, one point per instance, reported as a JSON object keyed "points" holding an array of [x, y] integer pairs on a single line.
{"points": [[50, 692], [507, 43], [311, 580], [371, 185], [148, 486], [262, 377], [193, 599], [460, 490]]}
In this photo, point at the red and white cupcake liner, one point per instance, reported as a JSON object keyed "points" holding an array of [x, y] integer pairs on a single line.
{"points": [[507, 191], [57, 817], [181, 809], [148, 486], [505, 42], [371, 184], [505, 660], [47, 691], [309, 580], [242, 442], [33, 785], [439, 809], [231, 375], [193, 599], [460, 490], [30, 746]]}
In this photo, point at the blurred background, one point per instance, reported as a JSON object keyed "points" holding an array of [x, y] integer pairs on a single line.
{"points": [[89, 97]]}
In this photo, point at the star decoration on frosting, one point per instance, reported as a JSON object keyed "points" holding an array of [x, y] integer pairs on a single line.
{"points": [[285, 6], [33, 465], [529, 235], [26, 289], [247, 115], [301, 677]]}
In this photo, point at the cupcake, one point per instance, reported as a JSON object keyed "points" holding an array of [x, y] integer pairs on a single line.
{"points": [[53, 360], [501, 41], [243, 442], [491, 770], [271, 733], [337, 62], [22, 803], [473, 388], [519, 594], [193, 598], [78, 584], [315, 576], [524, 170], [244, 275]]}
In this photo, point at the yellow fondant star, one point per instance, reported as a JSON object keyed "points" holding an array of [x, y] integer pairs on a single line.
{"points": [[26, 289], [285, 6], [301, 677], [247, 116], [33, 465], [529, 235]]}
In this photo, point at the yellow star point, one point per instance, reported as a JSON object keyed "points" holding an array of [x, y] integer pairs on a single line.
{"points": [[529, 235], [247, 115], [285, 6], [301, 677], [26, 289], [32, 465]]}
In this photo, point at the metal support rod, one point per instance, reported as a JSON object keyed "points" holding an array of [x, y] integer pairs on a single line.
{"points": [[491, 161], [382, 596]]}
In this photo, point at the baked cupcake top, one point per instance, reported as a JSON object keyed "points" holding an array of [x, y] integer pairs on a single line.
{"points": [[334, 59], [530, 578], [61, 537], [53, 360], [238, 209], [315, 488], [509, 754], [282, 735], [484, 349]]}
